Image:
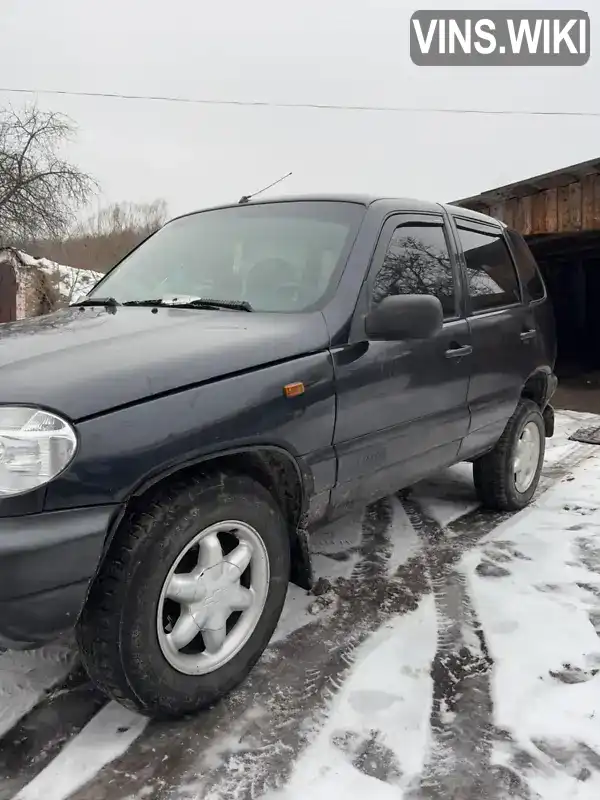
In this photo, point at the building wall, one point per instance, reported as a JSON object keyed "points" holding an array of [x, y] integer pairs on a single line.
{"points": [[569, 208], [25, 291], [8, 293]]}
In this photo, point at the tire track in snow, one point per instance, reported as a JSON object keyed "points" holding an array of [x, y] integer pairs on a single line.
{"points": [[38, 738], [461, 715], [106, 736]]}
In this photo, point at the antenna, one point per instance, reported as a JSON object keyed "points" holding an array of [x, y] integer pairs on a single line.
{"points": [[246, 198]]}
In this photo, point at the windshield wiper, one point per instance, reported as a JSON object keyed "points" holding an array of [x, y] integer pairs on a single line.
{"points": [[108, 302], [200, 302]]}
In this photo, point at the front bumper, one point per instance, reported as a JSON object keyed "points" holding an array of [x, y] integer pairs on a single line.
{"points": [[46, 564]]}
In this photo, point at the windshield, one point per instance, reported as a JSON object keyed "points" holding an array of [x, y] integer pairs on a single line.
{"points": [[285, 256]]}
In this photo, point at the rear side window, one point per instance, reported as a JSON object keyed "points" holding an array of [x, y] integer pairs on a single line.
{"points": [[491, 276], [527, 266]]}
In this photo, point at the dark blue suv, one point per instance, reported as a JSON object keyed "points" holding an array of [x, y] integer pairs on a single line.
{"points": [[245, 374]]}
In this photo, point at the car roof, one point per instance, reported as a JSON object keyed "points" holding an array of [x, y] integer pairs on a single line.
{"points": [[387, 203]]}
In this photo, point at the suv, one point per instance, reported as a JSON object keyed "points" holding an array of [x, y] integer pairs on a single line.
{"points": [[246, 373]]}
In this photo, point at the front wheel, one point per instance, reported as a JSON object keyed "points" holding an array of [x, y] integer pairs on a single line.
{"points": [[507, 478], [188, 597]]}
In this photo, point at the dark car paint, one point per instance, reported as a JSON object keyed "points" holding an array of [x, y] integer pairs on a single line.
{"points": [[45, 568], [387, 399], [509, 346], [108, 358], [151, 392], [187, 426]]}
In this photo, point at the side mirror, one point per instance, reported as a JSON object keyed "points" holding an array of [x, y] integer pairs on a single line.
{"points": [[405, 316]]}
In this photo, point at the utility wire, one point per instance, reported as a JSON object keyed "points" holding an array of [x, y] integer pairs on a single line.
{"points": [[321, 106]]}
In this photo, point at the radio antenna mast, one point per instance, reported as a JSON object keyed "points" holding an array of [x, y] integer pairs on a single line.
{"points": [[247, 197]]}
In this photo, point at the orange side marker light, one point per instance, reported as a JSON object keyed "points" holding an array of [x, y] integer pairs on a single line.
{"points": [[293, 389]]}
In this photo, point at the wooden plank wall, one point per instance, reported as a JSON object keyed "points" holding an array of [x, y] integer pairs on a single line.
{"points": [[566, 209]]}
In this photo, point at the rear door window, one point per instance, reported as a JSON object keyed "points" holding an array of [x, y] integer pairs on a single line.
{"points": [[492, 279]]}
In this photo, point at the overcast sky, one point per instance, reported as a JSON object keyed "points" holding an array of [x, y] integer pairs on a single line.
{"points": [[316, 51]]}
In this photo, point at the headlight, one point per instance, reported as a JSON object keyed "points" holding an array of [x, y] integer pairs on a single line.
{"points": [[35, 446]]}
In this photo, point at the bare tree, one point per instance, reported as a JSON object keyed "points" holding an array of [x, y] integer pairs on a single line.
{"points": [[99, 241], [40, 192], [102, 240], [413, 267], [118, 218]]}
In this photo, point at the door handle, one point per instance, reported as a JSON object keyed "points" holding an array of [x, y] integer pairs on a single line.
{"points": [[458, 351], [530, 334]]}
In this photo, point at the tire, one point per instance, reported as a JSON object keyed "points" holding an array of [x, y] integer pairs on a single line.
{"points": [[494, 473], [125, 644]]}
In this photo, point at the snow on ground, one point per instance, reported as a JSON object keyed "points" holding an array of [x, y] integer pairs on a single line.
{"points": [[478, 675], [541, 622], [376, 736], [335, 552], [539, 606], [72, 283], [103, 739], [26, 676], [449, 496]]}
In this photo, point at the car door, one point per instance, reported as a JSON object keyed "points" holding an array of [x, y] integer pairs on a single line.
{"points": [[402, 406], [503, 331]]}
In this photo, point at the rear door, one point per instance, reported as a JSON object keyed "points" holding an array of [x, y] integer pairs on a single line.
{"points": [[503, 331], [534, 290], [402, 406]]}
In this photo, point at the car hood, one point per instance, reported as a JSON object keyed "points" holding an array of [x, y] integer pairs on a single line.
{"points": [[82, 362]]}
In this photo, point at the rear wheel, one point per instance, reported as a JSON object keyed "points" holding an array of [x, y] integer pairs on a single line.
{"points": [[507, 478], [188, 597]]}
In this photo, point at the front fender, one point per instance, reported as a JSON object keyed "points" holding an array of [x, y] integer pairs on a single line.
{"points": [[123, 450]]}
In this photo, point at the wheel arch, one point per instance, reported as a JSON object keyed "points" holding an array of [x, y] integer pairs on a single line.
{"points": [[272, 466], [538, 388]]}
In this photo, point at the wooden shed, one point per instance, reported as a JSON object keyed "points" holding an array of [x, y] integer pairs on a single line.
{"points": [[564, 201], [559, 214]]}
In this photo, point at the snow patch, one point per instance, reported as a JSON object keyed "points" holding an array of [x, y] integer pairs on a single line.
{"points": [[26, 676], [335, 550], [376, 736], [295, 613], [106, 737], [559, 447], [540, 619], [405, 542], [450, 495], [72, 283]]}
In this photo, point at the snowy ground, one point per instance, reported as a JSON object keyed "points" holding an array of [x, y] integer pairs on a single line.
{"points": [[448, 653]]}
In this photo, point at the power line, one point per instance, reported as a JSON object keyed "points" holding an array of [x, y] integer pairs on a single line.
{"points": [[318, 106]]}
